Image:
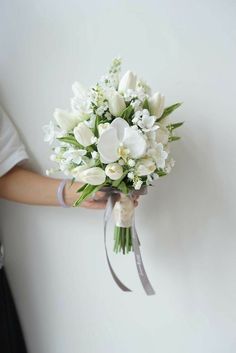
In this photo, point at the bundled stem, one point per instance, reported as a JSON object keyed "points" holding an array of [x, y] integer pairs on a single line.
{"points": [[122, 240]]}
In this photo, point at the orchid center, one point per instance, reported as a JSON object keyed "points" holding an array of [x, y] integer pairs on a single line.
{"points": [[123, 152]]}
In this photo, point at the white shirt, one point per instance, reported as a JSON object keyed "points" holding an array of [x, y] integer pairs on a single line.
{"points": [[12, 150]]}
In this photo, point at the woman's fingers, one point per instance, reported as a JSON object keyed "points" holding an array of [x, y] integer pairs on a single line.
{"points": [[96, 205], [98, 201]]}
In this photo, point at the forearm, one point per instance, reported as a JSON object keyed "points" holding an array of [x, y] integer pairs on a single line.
{"points": [[24, 186]]}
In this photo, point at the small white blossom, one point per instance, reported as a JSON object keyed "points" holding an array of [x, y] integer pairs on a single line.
{"points": [[53, 157], [131, 162], [49, 132], [94, 154], [130, 175], [121, 162], [138, 184], [108, 115], [94, 139], [50, 171]]}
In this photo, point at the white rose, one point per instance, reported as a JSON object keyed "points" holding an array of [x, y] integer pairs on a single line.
{"points": [[114, 171], [145, 166], [116, 102], [156, 104], [67, 121], [83, 134], [128, 81], [103, 127]]}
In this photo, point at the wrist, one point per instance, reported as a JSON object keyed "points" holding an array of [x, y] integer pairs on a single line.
{"points": [[70, 193]]}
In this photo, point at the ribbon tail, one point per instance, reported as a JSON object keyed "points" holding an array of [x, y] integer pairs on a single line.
{"points": [[107, 215], [139, 263]]}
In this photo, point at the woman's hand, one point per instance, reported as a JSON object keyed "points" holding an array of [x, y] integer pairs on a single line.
{"points": [[99, 200]]}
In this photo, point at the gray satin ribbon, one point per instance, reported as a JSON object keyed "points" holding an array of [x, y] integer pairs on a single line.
{"points": [[135, 242]]}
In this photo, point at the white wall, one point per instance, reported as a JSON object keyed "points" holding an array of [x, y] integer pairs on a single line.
{"points": [[55, 257]]}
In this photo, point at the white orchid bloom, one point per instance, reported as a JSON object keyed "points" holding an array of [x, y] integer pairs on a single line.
{"points": [[84, 134], [128, 81], [158, 154], [114, 171], [145, 166], [156, 104], [67, 121], [103, 127], [116, 102], [49, 132], [120, 140]]}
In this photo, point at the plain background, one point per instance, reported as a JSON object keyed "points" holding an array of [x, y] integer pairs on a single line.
{"points": [[55, 258]]}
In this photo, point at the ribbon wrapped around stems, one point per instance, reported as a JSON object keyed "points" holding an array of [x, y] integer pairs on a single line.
{"points": [[124, 217]]}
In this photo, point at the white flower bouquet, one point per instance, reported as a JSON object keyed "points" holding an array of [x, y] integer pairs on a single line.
{"points": [[117, 135]]}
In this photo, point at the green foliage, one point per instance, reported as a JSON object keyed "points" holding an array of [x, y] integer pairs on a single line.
{"points": [[169, 110], [123, 188], [174, 138], [174, 126], [116, 183], [96, 126], [128, 113], [87, 190], [146, 104], [71, 140], [161, 172]]}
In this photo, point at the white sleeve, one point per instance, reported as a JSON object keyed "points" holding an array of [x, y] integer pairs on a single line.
{"points": [[12, 150]]}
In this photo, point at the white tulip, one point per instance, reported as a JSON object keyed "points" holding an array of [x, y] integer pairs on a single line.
{"points": [[93, 176], [83, 134], [102, 128], [156, 104], [128, 81], [114, 171], [67, 121], [75, 172], [120, 141], [145, 166], [116, 102]]}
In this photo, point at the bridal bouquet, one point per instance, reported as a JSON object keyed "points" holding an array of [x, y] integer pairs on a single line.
{"points": [[117, 135]]}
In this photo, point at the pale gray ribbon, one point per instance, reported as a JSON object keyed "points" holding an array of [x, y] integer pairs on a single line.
{"points": [[135, 242]]}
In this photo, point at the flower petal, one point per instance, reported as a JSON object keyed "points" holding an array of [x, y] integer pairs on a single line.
{"points": [[120, 124], [107, 146], [135, 142]]}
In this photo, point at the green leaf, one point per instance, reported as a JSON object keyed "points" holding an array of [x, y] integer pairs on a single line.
{"points": [[72, 181], [169, 110], [96, 126], [82, 188], [87, 191], [146, 104], [174, 138], [118, 181], [127, 112], [161, 172], [123, 188], [71, 140], [174, 126]]}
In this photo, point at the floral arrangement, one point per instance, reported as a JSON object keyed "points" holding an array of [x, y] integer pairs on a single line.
{"points": [[117, 134]]}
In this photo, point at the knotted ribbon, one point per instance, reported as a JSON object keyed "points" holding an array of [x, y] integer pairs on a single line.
{"points": [[112, 199]]}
